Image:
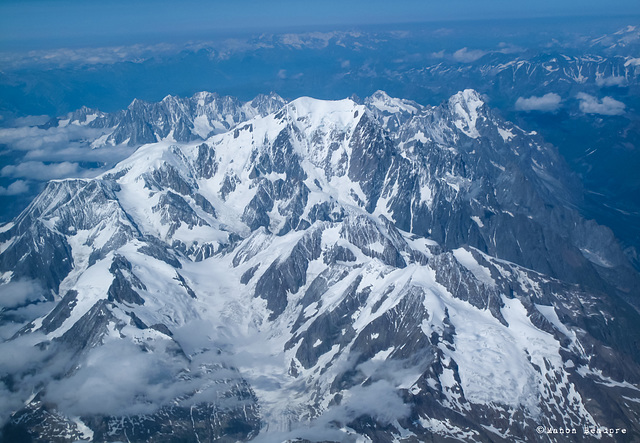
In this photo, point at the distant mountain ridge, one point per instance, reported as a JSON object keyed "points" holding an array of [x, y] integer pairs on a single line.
{"points": [[278, 279], [179, 119]]}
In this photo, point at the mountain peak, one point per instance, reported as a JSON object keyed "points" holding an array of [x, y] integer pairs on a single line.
{"points": [[310, 104], [204, 95], [267, 103], [318, 112], [466, 105], [387, 104], [137, 103], [470, 97]]}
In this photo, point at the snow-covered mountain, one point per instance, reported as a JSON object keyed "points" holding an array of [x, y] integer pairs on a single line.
{"points": [[174, 118], [509, 76], [349, 270], [626, 39]]}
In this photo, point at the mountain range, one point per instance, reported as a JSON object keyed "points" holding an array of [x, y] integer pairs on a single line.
{"points": [[350, 270]]}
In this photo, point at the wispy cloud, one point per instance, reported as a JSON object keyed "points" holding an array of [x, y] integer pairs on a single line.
{"points": [[611, 81], [60, 57], [117, 378], [16, 188], [508, 48], [30, 120], [607, 106], [17, 293], [547, 103], [21, 302], [24, 360], [41, 171], [27, 138], [56, 152], [466, 55]]}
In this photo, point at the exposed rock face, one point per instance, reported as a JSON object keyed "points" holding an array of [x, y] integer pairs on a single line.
{"points": [[125, 283], [319, 270], [176, 118]]}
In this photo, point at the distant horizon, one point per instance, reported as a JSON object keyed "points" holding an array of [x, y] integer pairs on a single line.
{"points": [[190, 38], [29, 25], [58, 78]]}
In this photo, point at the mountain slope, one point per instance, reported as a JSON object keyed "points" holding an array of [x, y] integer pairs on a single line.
{"points": [[328, 271]]}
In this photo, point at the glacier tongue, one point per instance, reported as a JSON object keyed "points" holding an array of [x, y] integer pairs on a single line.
{"points": [[320, 270]]}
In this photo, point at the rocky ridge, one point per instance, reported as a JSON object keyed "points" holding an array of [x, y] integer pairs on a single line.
{"points": [[277, 280]]}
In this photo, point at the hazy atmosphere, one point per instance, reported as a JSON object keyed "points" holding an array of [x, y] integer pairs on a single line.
{"points": [[36, 24]]}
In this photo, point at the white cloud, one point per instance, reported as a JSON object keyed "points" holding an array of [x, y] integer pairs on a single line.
{"points": [[26, 138], [9, 404], [30, 120], [547, 103], [21, 302], [466, 55], [16, 318], [81, 153], [282, 74], [15, 188], [608, 106], [116, 378], [120, 377], [611, 81], [19, 356], [40, 170], [56, 152], [508, 48], [17, 293]]}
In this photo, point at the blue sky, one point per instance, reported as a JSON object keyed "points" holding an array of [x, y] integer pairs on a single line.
{"points": [[42, 23]]}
